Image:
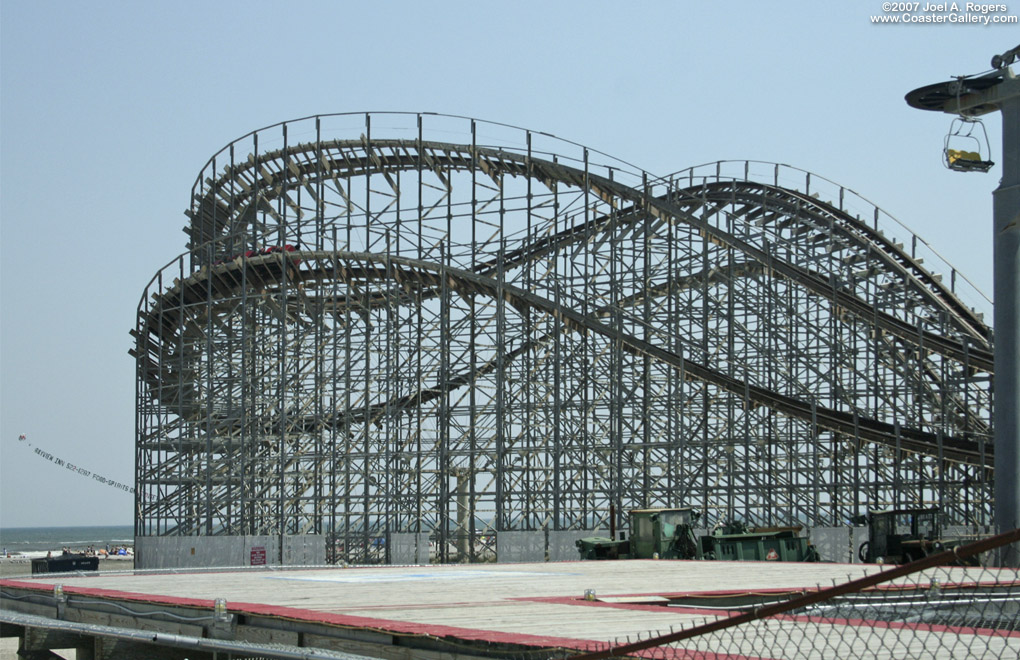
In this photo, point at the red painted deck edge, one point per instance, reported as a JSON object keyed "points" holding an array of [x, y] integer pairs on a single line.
{"points": [[438, 630], [374, 624]]}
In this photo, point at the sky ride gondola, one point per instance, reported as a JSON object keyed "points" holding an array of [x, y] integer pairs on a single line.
{"points": [[966, 146]]}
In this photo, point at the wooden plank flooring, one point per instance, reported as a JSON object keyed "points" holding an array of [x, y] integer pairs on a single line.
{"points": [[537, 603]]}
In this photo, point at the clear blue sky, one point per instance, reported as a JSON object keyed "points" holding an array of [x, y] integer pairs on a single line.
{"points": [[108, 110]]}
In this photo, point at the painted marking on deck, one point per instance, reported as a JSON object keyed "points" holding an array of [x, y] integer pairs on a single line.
{"points": [[356, 577]]}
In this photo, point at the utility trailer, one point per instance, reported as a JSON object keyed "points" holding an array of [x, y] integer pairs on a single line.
{"points": [[669, 534], [738, 543]]}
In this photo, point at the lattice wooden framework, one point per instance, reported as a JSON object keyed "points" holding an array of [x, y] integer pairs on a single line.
{"points": [[420, 323]]}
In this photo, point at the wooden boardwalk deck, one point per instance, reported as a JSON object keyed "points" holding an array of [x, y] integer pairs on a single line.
{"points": [[385, 611]]}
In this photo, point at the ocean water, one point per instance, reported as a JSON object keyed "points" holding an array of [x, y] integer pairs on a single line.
{"points": [[37, 541]]}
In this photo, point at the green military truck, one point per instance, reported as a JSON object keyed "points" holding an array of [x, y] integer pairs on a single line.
{"points": [[668, 533], [900, 536], [654, 534]]}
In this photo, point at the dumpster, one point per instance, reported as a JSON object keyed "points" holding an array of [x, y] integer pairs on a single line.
{"points": [[64, 563], [600, 547]]}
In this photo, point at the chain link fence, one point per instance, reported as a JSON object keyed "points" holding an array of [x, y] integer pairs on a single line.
{"points": [[930, 608]]}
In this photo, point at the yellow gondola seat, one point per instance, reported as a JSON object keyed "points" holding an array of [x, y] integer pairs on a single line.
{"points": [[967, 161]]}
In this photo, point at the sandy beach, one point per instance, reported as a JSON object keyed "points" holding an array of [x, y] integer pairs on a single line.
{"points": [[19, 566]]}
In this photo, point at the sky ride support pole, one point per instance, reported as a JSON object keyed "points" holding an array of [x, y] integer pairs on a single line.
{"points": [[1006, 294], [998, 91]]}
